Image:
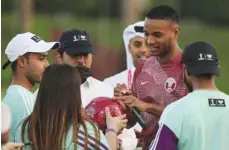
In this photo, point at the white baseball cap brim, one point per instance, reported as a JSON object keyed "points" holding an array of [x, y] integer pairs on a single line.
{"points": [[43, 46], [24, 43]]}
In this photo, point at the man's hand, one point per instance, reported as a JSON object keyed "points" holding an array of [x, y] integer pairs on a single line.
{"points": [[121, 89], [132, 101], [12, 146]]}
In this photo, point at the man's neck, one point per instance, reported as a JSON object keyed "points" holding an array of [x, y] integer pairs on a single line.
{"points": [[175, 50], [204, 85], [21, 80]]}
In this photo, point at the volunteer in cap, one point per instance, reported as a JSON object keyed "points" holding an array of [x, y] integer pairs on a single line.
{"points": [[136, 51], [198, 121], [76, 50], [27, 54]]}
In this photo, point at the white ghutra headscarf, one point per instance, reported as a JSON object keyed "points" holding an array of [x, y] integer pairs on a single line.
{"points": [[128, 34]]}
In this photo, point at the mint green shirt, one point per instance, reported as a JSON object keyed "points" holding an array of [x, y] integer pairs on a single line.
{"points": [[20, 102], [199, 120], [69, 145]]}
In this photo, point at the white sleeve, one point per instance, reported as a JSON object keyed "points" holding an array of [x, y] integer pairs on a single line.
{"points": [[6, 118]]}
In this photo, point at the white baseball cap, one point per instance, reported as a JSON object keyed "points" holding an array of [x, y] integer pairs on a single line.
{"points": [[27, 42]]}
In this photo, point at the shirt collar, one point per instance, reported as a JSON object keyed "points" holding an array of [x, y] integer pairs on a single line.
{"points": [[87, 82]]}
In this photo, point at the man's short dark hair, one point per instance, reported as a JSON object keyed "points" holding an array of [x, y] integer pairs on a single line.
{"points": [[203, 76], [14, 64], [163, 12], [61, 53]]}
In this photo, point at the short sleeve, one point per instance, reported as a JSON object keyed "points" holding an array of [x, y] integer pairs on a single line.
{"points": [[5, 118], [173, 118]]}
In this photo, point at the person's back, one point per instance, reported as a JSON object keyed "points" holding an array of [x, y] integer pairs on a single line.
{"points": [[103, 145], [198, 121], [70, 144], [205, 125]]}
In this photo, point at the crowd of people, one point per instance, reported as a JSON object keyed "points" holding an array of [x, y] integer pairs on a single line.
{"points": [[171, 90]]}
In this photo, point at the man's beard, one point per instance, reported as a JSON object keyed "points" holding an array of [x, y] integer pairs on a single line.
{"points": [[32, 78], [188, 85], [84, 72], [166, 48]]}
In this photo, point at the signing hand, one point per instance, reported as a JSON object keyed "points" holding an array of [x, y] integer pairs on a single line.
{"points": [[121, 89], [132, 101]]}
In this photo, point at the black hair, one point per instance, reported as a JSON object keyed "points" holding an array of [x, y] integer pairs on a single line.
{"points": [[61, 53], [203, 76], [14, 64], [163, 12]]}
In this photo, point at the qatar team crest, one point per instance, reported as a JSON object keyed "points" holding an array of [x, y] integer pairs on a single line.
{"points": [[170, 84]]}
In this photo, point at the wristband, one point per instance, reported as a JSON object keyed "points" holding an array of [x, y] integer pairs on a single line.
{"points": [[112, 130]]}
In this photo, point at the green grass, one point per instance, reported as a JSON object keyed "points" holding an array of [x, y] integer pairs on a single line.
{"points": [[108, 33], [193, 31]]}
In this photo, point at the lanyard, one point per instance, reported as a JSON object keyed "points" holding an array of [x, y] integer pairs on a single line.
{"points": [[129, 79]]}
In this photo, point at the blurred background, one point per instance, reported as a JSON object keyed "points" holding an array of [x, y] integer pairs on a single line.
{"points": [[105, 21]]}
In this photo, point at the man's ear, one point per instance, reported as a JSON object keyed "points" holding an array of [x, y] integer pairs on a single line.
{"points": [[176, 31], [58, 57], [21, 61]]}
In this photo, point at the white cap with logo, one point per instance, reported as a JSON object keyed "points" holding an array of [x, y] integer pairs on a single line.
{"points": [[24, 43]]}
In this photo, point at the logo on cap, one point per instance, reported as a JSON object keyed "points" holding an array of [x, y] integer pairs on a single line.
{"points": [[205, 56], [79, 38], [209, 56], [36, 38], [83, 37], [75, 39]]}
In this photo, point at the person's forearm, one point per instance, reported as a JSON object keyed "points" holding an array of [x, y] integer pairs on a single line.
{"points": [[112, 140], [153, 109], [5, 137]]}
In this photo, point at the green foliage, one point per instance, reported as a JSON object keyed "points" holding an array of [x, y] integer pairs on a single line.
{"points": [[108, 33], [213, 11], [89, 8]]}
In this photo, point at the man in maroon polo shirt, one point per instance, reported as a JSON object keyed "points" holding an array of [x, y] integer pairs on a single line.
{"points": [[159, 80]]}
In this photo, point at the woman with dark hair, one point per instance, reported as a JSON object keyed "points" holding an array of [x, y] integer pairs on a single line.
{"points": [[57, 121]]}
